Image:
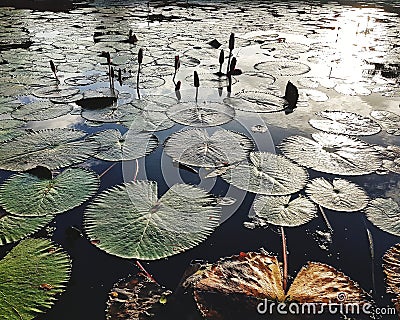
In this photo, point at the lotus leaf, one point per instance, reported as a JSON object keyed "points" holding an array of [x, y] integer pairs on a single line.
{"points": [[279, 210], [130, 221], [14, 228], [26, 194], [53, 148], [384, 214], [253, 106], [10, 129], [282, 68], [345, 123], [340, 195], [40, 110], [389, 121], [332, 153], [117, 147], [205, 114], [197, 148], [268, 174], [32, 275]]}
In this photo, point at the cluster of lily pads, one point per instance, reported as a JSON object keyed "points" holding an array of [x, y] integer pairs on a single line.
{"points": [[132, 220]]}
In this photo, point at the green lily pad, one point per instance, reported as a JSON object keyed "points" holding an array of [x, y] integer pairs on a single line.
{"points": [[52, 148], [130, 221], [33, 274], [10, 129], [280, 211], [26, 194], [14, 228], [268, 174], [117, 147]]}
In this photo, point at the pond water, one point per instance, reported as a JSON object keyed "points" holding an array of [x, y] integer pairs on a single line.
{"points": [[342, 56]]}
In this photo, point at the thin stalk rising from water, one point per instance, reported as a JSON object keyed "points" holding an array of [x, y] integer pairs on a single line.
{"points": [[196, 83], [54, 69], [140, 61], [177, 64], [231, 47], [285, 262]]}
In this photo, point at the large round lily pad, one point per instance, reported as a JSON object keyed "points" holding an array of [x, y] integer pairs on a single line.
{"points": [[339, 195], [340, 122], [26, 194], [52, 148], [268, 174], [130, 220], [40, 110], [331, 153], [196, 147], [254, 106], [133, 115], [279, 210], [117, 147], [282, 68], [33, 274], [204, 114], [266, 99]]}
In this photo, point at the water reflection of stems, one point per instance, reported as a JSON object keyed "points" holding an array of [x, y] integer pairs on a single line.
{"points": [[221, 61], [232, 67], [140, 61], [372, 254], [328, 225]]}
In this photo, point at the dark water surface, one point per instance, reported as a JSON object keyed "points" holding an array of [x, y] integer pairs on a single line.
{"points": [[340, 41]]}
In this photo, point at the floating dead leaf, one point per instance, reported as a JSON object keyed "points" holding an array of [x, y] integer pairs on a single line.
{"points": [[136, 298], [391, 268], [242, 281]]}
